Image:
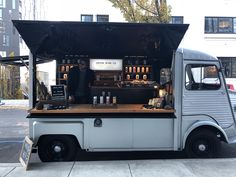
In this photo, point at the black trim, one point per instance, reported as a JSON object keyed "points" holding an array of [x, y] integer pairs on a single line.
{"points": [[103, 115], [21, 60]]}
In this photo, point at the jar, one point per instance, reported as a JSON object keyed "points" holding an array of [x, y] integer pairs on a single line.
{"points": [[144, 77], [126, 69], [137, 77], [128, 77], [134, 69], [147, 69]]}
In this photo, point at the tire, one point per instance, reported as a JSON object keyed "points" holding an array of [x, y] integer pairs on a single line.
{"points": [[53, 148], [202, 144]]}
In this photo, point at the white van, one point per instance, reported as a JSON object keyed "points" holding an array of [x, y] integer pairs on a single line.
{"points": [[199, 118]]}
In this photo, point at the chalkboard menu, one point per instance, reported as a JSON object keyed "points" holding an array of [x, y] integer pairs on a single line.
{"points": [[26, 152], [58, 92]]}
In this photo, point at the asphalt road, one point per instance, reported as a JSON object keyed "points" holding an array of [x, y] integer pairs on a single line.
{"points": [[14, 127]]}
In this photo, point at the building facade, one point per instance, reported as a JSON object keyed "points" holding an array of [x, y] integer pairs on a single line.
{"points": [[212, 25], [9, 47], [212, 28], [9, 37]]}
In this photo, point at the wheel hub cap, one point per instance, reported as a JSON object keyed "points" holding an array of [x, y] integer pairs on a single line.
{"points": [[202, 147], [57, 149]]}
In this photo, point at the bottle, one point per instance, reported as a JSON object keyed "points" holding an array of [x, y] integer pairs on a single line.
{"points": [[130, 69], [67, 68], [134, 69], [147, 69], [114, 100], [95, 100], [107, 99], [62, 68], [138, 69], [143, 69], [137, 77], [101, 100]]}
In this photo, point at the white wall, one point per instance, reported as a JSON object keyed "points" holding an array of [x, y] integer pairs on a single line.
{"points": [[71, 10], [194, 12]]}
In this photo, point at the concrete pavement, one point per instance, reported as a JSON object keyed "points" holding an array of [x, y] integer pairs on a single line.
{"points": [[134, 168]]}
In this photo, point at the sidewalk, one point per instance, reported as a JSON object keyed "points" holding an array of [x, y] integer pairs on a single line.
{"points": [[19, 104], [137, 168]]}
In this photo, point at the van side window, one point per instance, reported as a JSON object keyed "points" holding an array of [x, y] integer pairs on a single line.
{"points": [[201, 77]]}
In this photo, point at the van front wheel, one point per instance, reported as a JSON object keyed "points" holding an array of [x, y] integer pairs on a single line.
{"points": [[52, 148], [202, 144]]}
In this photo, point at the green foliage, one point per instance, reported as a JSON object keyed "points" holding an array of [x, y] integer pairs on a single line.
{"points": [[149, 11], [9, 82]]}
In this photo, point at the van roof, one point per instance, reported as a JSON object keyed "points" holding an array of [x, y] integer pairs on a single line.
{"points": [[50, 39], [189, 54]]}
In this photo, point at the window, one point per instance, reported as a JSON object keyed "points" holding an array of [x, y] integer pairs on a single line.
{"points": [[220, 25], [86, 18], [229, 66], [3, 53], [3, 3], [2, 27], [0, 14], [13, 4], [177, 19], [202, 77], [5, 41], [102, 18], [20, 15]]}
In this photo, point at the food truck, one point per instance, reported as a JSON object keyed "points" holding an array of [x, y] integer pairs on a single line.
{"points": [[146, 95]]}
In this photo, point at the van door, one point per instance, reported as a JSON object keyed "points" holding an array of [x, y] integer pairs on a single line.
{"points": [[204, 93]]}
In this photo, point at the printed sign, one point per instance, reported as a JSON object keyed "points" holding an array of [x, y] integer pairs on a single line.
{"points": [[26, 152], [58, 92], [106, 64]]}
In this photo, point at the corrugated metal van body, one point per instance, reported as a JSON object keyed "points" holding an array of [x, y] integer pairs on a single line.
{"points": [[213, 103], [232, 95]]}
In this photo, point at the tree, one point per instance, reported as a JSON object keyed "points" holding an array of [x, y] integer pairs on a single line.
{"points": [[149, 11]]}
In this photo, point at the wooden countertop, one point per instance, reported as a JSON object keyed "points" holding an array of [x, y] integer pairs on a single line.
{"points": [[88, 108]]}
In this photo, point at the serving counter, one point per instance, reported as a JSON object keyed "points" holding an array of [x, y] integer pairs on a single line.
{"points": [[88, 108]]}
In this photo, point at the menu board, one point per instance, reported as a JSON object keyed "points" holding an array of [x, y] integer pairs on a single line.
{"points": [[106, 64], [26, 152], [58, 92]]}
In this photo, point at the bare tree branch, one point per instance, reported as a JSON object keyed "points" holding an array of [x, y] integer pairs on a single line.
{"points": [[144, 8]]}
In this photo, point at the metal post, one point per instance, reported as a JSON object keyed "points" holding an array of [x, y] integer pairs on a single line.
{"points": [[32, 80]]}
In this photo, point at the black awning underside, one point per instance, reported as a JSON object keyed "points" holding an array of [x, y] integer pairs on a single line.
{"points": [[100, 40], [21, 60]]}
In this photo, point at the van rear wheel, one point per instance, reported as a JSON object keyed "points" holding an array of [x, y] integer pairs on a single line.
{"points": [[53, 148], [202, 144]]}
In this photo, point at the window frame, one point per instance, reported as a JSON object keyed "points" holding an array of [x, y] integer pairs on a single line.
{"points": [[212, 25], [86, 15], [172, 21], [99, 15], [209, 84]]}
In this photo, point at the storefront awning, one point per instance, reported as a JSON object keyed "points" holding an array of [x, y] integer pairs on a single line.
{"points": [[100, 40]]}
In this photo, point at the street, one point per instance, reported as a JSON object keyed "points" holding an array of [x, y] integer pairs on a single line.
{"points": [[14, 127]]}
